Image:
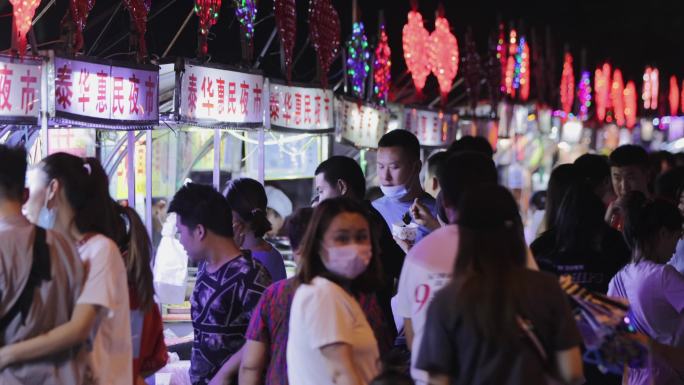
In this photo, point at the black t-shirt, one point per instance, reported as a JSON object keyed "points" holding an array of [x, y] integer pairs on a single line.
{"points": [[590, 266], [453, 346]]}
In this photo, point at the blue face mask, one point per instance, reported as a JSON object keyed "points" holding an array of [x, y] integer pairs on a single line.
{"points": [[46, 217]]}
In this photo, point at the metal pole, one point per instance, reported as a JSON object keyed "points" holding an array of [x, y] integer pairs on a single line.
{"points": [[130, 159], [453, 87], [261, 147], [44, 108], [266, 47], [42, 12], [178, 33], [217, 159], [97, 40], [148, 182]]}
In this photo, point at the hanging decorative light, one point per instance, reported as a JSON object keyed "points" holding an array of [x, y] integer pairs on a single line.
{"points": [[502, 55], [382, 66], [524, 74], [617, 97], [630, 103], [208, 13], [471, 70], [602, 91], [245, 12], [324, 31], [567, 88], [443, 55], [285, 12], [79, 10], [674, 96], [509, 76], [358, 56], [415, 41], [584, 95], [682, 96], [22, 12], [650, 89], [139, 10]]}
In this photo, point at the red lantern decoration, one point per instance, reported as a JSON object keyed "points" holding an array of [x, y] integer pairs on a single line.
{"points": [[630, 103], [674, 96], [138, 10], [208, 13], [79, 10], [324, 30], [567, 88], [382, 67], [509, 74], [525, 72], [602, 91], [285, 12], [443, 55], [23, 11], [617, 97], [650, 89], [415, 39]]}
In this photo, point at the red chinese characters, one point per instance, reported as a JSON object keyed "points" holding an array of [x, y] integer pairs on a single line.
{"points": [[207, 94], [83, 88], [192, 93], [221, 85], [274, 106], [28, 92], [317, 109], [298, 108], [149, 95], [102, 91], [244, 98], [232, 108], [117, 99], [288, 107], [256, 90], [133, 106], [307, 109], [5, 88], [63, 84]]}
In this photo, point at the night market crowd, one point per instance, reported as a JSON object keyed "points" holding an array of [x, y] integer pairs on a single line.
{"points": [[431, 283]]}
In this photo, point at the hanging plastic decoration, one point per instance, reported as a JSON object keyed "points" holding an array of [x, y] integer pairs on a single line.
{"points": [[502, 55], [650, 89], [23, 11], [584, 95], [358, 57], [382, 76], [443, 55], [602, 91], [509, 75], [630, 103], [617, 90], [324, 30], [79, 10], [674, 96], [415, 39], [471, 70], [524, 72], [208, 13], [285, 12], [139, 10], [567, 86], [493, 70], [245, 12]]}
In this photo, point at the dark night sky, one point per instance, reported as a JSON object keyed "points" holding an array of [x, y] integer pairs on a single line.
{"points": [[630, 35]]}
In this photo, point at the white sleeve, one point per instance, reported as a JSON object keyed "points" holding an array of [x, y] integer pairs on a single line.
{"points": [[324, 314], [402, 302]]}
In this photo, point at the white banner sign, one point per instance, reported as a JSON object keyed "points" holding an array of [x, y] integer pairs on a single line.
{"points": [[105, 92], [301, 108], [431, 127], [361, 124], [19, 90], [221, 96]]}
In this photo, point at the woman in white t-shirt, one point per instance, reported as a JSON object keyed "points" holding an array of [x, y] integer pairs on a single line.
{"points": [[70, 195], [330, 340]]}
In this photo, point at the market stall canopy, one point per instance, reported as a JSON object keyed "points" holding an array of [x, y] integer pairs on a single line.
{"points": [[301, 108]]}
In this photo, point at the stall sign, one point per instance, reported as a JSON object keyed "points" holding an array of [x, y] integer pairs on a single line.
{"points": [[213, 95], [362, 124], [19, 90], [432, 128], [301, 108], [106, 94]]}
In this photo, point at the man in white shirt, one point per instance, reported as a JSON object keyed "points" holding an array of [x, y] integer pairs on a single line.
{"points": [[430, 263]]}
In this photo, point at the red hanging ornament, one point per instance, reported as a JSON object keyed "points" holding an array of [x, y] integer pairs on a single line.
{"points": [[79, 10], [415, 39], [286, 20], [682, 96], [602, 91], [617, 97], [674, 96], [208, 13], [324, 30], [443, 55], [23, 11], [509, 77], [139, 10], [567, 87], [650, 89], [382, 67], [630, 103], [525, 72]]}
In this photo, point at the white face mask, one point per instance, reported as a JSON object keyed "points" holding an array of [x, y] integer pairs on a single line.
{"points": [[348, 261], [394, 192], [46, 217]]}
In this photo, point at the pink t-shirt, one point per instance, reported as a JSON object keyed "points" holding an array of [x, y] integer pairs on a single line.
{"points": [[106, 286]]}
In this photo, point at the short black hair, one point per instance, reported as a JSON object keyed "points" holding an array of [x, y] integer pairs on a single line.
{"points": [[403, 139], [472, 143], [12, 172], [465, 170], [435, 161], [199, 204], [296, 225], [629, 155], [344, 168], [592, 169]]}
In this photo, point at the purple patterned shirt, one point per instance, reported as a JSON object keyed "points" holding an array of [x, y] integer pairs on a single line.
{"points": [[270, 325]]}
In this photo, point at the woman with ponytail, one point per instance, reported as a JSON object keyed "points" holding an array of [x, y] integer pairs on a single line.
{"points": [[70, 195], [247, 199], [654, 289]]}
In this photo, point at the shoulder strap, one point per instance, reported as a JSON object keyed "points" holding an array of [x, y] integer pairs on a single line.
{"points": [[526, 328], [40, 271]]}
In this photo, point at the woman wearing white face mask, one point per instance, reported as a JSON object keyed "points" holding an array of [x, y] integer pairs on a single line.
{"points": [[330, 341]]}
